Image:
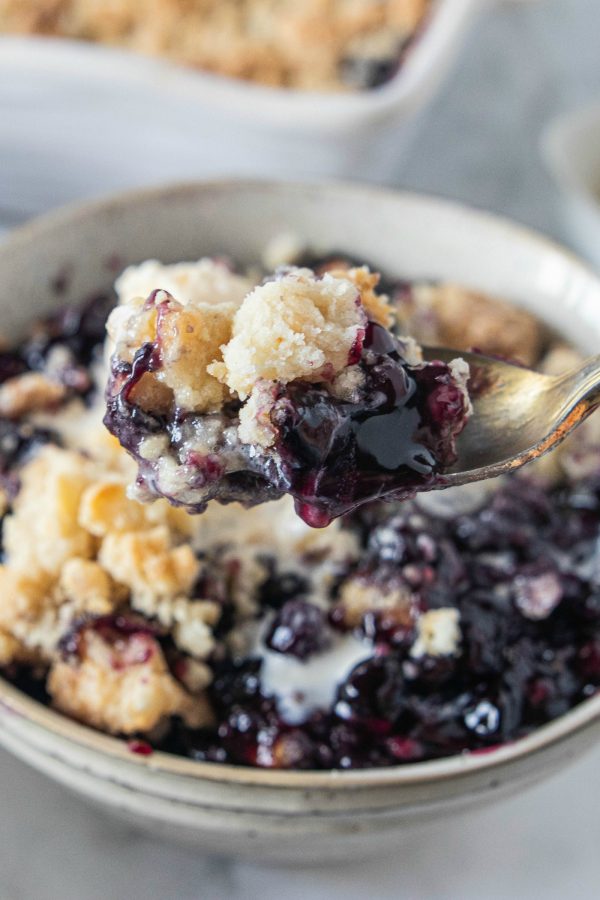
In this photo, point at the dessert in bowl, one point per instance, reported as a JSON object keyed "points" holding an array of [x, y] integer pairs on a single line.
{"points": [[248, 642]]}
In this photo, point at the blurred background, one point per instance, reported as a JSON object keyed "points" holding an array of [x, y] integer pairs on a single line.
{"points": [[497, 105], [468, 116]]}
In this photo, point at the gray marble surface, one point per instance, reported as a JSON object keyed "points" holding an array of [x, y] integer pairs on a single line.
{"points": [[523, 63]]}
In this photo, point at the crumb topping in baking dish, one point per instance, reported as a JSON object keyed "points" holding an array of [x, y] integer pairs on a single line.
{"points": [[325, 45]]}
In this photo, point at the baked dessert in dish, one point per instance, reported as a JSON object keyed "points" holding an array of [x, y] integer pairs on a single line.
{"points": [[404, 631], [326, 45], [300, 389]]}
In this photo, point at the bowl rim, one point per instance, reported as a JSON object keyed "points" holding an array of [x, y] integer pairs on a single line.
{"points": [[436, 39], [555, 140], [15, 702]]}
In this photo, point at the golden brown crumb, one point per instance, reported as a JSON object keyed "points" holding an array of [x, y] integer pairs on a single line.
{"points": [[122, 690], [136, 324], [453, 317], [359, 596], [148, 564], [23, 598], [301, 45], [255, 416], [376, 305], [29, 392], [87, 587], [438, 633], [43, 531], [190, 341], [296, 326]]}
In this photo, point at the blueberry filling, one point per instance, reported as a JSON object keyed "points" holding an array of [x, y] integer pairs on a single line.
{"points": [[336, 455]]}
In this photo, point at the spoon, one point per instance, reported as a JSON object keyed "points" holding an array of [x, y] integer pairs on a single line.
{"points": [[517, 415]]}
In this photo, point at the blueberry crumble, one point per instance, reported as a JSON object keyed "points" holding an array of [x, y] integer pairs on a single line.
{"points": [[300, 390], [327, 45], [454, 621]]}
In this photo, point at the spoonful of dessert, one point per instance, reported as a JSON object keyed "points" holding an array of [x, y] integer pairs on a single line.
{"points": [[301, 388]]}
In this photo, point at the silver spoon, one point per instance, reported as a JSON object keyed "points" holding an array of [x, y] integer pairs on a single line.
{"points": [[518, 414]]}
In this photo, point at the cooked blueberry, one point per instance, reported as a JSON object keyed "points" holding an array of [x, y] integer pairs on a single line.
{"points": [[79, 329], [483, 719], [363, 72], [300, 629], [373, 692], [281, 587], [236, 683], [11, 364]]}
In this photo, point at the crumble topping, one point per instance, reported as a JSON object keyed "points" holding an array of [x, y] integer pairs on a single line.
{"points": [[315, 45], [123, 687], [28, 393], [447, 315], [43, 531], [294, 327], [438, 633], [193, 283]]}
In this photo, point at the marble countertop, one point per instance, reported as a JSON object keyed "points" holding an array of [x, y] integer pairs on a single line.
{"points": [[523, 63]]}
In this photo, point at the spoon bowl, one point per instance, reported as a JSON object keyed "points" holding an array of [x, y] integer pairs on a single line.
{"points": [[518, 414]]}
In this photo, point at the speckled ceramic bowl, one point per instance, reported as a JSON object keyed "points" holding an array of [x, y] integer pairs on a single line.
{"points": [[277, 815]]}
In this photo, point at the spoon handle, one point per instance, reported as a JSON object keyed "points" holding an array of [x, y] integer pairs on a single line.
{"points": [[581, 387]]}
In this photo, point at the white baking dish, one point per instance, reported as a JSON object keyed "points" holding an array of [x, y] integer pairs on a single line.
{"points": [[78, 119]]}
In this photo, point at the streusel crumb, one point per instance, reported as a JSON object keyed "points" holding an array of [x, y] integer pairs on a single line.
{"points": [[87, 586], [29, 392], [295, 326], [359, 596], [188, 308], [313, 45], [149, 565], [43, 531], [205, 281], [122, 689], [376, 305], [438, 633], [450, 316]]}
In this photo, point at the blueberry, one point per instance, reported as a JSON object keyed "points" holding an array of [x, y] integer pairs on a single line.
{"points": [[483, 719], [281, 587], [364, 73], [11, 364], [299, 629], [79, 329], [374, 690]]}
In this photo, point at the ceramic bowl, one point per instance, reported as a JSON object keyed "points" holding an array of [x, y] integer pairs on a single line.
{"points": [[571, 150], [278, 815]]}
